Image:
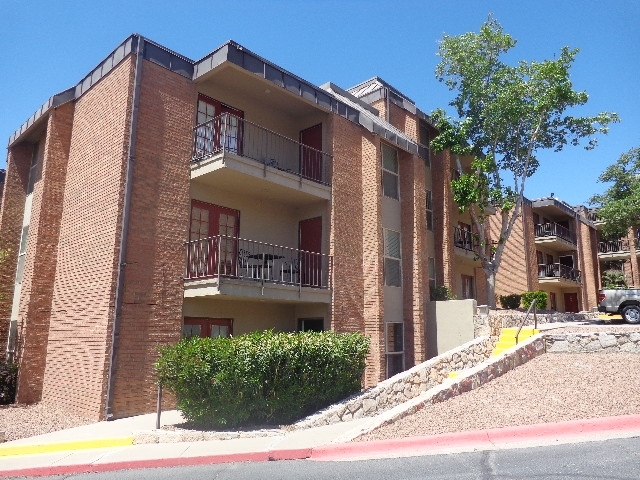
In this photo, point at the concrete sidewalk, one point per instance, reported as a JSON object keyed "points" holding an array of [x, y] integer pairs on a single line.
{"points": [[92, 448]]}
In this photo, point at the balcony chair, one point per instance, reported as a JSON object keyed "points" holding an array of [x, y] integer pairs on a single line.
{"points": [[290, 271]]}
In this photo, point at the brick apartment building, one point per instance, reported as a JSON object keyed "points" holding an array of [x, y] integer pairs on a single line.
{"points": [[162, 197]]}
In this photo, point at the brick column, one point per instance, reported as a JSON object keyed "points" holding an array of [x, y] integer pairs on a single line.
{"points": [[443, 218], [42, 246], [11, 214], [415, 276]]}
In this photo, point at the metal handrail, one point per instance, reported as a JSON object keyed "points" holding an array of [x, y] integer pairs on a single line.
{"points": [[233, 257], [535, 319], [232, 134], [554, 230]]}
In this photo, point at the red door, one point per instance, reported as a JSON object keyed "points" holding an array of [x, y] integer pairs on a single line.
{"points": [[571, 302], [212, 240], [310, 244], [311, 158]]}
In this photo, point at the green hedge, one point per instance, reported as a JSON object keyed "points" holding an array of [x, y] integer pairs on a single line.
{"points": [[540, 296], [8, 378], [510, 301], [262, 378]]}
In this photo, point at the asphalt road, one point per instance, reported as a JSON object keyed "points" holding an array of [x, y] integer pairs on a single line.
{"points": [[617, 459]]}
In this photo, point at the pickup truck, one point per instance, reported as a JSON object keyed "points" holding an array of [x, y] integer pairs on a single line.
{"points": [[626, 302]]}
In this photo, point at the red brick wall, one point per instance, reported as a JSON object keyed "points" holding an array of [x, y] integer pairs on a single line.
{"points": [[356, 239], [11, 215], [588, 265], [512, 276], [83, 295], [634, 274], [444, 215], [158, 226], [403, 120], [42, 246], [414, 256]]}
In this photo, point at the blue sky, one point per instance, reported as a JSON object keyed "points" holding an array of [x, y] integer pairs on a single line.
{"points": [[48, 46]]}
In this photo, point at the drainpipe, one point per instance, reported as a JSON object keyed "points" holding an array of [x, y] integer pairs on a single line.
{"points": [[115, 333], [386, 109]]}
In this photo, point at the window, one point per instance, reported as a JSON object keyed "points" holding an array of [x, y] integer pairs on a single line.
{"points": [[35, 171], [311, 325], [22, 253], [394, 347], [213, 233], [431, 263], [390, 186], [392, 258], [552, 301], [218, 128], [207, 327], [424, 137], [429, 208], [467, 287]]}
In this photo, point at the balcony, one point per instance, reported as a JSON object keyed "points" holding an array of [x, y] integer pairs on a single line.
{"points": [[555, 236], [558, 273], [614, 249], [467, 243], [237, 267], [230, 151]]}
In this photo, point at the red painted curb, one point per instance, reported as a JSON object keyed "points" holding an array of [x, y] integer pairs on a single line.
{"points": [[383, 448], [477, 438]]}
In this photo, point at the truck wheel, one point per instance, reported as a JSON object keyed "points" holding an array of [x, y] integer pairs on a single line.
{"points": [[631, 314]]}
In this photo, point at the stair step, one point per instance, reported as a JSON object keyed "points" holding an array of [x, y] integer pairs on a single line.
{"points": [[513, 330], [453, 374]]}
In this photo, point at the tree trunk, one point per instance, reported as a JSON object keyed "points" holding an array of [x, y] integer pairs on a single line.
{"points": [[491, 288]]}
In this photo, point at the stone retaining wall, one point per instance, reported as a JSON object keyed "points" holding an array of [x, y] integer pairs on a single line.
{"points": [[496, 319], [593, 342], [403, 386]]}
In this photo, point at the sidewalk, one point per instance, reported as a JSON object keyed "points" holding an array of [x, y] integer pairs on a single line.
{"points": [[111, 444]]}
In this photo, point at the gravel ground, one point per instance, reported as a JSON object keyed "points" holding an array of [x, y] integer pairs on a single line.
{"points": [[575, 386], [21, 421], [550, 388]]}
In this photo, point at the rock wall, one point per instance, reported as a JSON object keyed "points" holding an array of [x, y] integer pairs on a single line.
{"points": [[593, 342]]}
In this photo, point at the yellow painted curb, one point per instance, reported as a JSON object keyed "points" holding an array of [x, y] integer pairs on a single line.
{"points": [[7, 450]]}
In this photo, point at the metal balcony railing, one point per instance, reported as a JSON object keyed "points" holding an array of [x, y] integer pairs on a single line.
{"points": [[468, 240], [553, 229], [621, 245], [557, 270], [231, 257], [228, 133]]}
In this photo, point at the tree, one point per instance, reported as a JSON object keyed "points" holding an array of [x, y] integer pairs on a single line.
{"points": [[619, 206], [505, 115]]}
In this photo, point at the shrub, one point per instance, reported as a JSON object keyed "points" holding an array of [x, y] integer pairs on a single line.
{"points": [[8, 378], [613, 279], [540, 296], [262, 378], [510, 302], [441, 293]]}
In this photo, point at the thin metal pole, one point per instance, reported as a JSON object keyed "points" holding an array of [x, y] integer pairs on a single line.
{"points": [[159, 407]]}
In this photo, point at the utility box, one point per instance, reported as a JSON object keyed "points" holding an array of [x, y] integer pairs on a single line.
{"points": [[449, 325]]}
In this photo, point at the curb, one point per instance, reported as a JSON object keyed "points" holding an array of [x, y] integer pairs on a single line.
{"points": [[505, 437], [10, 450], [491, 439]]}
